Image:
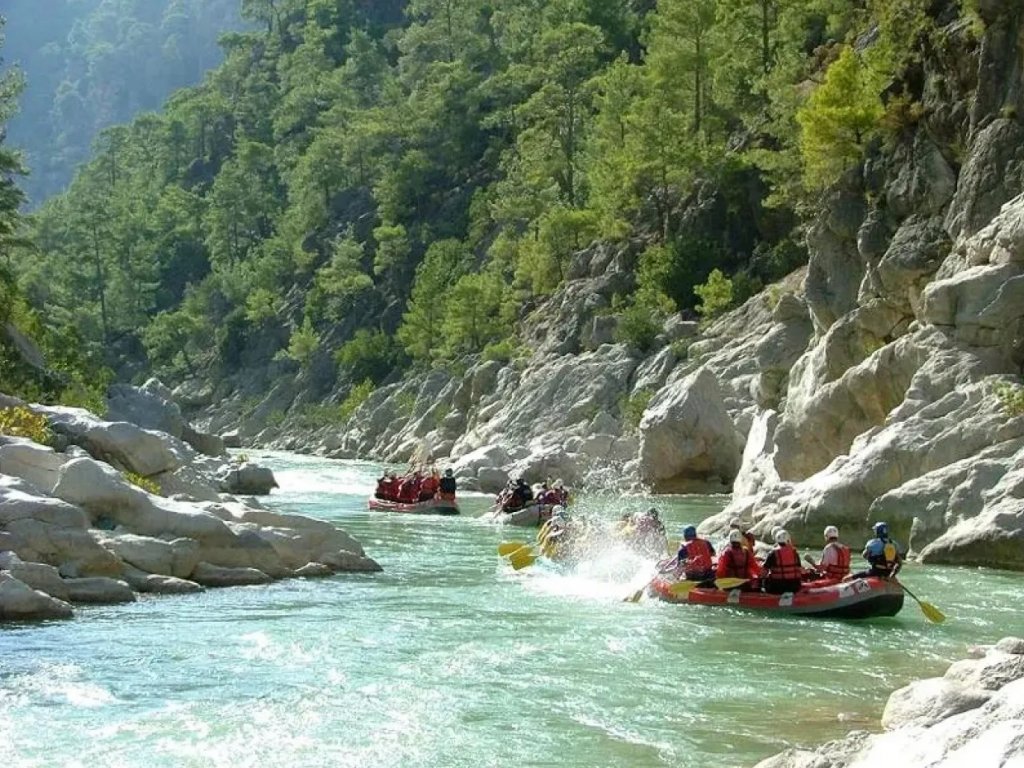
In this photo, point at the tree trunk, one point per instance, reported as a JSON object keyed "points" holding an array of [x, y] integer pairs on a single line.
{"points": [[101, 282]]}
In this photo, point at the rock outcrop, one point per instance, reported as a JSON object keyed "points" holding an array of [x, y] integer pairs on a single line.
{"points": [[970, 716], [74, 529]]}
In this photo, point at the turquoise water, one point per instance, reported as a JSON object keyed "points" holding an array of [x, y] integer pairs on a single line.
{"points": [[449, 658]]}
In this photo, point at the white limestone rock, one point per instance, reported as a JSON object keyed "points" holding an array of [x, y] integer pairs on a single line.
{"points": [[687, 434], [19, 602], [99, 589]]}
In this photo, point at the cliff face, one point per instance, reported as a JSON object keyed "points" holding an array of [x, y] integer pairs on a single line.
{"points": [[861, 387], [914, 287]]}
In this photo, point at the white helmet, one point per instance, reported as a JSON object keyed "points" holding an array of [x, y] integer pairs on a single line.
{"points": [[831, 532], [735, 537], [782, 536]]}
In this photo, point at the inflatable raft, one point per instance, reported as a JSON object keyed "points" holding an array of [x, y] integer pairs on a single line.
{"points": [[857, 599], [530, 516], [429, 507]]}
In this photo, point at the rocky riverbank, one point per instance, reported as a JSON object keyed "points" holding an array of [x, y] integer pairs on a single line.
{"points": [[108, 509], [971, 716]]}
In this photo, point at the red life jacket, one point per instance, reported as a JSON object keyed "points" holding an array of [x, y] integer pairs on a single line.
{"points": [[842, 567], [787, 564], [698, 556], [737, 563]]}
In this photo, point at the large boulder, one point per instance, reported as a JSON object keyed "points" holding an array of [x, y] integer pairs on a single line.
{"points": [[99, 589], [209, 575], [176, 557], [19, 602], [945, 419], [144, 452], [686, 434], [247, 479], [47, 530], [156, 584], [35, 463], [110, 500], [492, 456], [207, 444], [39, 576], [969, 717], [149, 407]]}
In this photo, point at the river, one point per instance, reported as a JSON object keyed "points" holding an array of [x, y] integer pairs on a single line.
{"points": [[449, 658]]}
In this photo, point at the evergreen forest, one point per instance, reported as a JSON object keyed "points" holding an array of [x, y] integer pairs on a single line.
{"points": [[369, 188], [90, 64]]}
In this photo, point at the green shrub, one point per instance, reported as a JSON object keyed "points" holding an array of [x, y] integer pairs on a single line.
{"points": [[275, 418], [404, 403], [716, 295], [369, 355], [356, 397], [302, 345], [1011, 397], [681, 348], [145, 483], [318, 416], [503, 351], [633, 408], [839, 120], [21, 422]]}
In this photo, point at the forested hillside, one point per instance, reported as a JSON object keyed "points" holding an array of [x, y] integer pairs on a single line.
{"points": [[89, 64], [365, 187]]}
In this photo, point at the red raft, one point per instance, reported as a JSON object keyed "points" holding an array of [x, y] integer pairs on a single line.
{"points": [[857, 599], [428, 507]]}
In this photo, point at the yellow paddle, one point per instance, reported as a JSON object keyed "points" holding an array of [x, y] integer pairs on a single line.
{"points": [[508, 547], [933, 614], [522, 558], [730, 583], [634, 597], [685, 587]]}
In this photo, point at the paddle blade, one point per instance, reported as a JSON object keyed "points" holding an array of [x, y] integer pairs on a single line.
{"points": [[730, 583], [683, 588], [635, 597], [933, 614], [522, 559], [508, 547]]}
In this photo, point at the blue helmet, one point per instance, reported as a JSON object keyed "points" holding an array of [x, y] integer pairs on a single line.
{"points": [[689, 533], [881, 530]]}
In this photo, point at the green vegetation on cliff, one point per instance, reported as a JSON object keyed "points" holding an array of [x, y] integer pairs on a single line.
{"points": [[361, 186]]}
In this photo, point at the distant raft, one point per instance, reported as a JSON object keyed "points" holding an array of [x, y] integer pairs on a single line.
{"points": [[865, 598], [532, 515], [435, 506]]}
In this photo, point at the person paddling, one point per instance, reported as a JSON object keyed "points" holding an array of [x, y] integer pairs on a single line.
{"points": [[882, 553], [694, 557], [835, 557], [448, 486], [782, 571], [737, 562]]}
